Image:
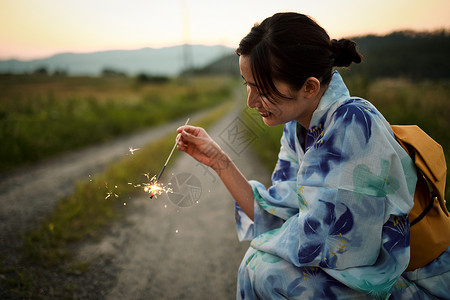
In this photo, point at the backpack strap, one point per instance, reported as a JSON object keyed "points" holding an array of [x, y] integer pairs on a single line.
{"points": [[424, 212]]}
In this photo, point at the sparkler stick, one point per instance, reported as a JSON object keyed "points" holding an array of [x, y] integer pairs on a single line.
{"points": [[154, 186], [170, 155]]}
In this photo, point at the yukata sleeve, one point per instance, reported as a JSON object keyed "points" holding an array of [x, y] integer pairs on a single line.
{"points": [[273, 206], [357, 187]]}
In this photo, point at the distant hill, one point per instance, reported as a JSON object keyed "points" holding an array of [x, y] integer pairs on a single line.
{"points": [[167, 61], [228, 65]]}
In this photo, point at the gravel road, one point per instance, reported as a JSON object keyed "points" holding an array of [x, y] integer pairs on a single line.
{"points": [[161, 249]]}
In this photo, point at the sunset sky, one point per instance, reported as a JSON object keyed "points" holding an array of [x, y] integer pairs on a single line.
{"points": [[39, 28]]}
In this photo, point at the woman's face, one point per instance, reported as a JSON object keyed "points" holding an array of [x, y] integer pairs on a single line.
{"points": [[279, 110]]}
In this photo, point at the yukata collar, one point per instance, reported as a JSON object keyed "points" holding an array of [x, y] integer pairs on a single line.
{"points": [[335, 94]]}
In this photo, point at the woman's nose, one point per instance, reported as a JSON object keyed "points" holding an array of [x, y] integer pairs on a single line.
{"points": [[252, 99]]}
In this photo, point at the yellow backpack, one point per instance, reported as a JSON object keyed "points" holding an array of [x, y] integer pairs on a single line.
{"points": [[429, 218]]}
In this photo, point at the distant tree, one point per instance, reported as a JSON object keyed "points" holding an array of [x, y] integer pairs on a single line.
{"points": [[41, 71], [144, 78], [60, 72], [109, 72]]}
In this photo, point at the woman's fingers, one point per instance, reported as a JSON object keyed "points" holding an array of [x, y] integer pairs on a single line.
{"points": [[190, 129], [179, 141], [192, 134], [184, 139], [197, 143], [187, 140]]}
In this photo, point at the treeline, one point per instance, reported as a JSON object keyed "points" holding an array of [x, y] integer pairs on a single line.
{"points": [[142, 78], [409, 54]]}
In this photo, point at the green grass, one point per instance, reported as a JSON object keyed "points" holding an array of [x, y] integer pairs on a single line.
{"points": [[41, 116], [267, 144], [401, 101]]}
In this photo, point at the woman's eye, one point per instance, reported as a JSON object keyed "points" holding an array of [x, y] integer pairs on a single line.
{"points": [[263, 96]]}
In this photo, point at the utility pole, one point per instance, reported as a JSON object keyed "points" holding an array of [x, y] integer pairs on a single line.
{"points": [[187, 47]]}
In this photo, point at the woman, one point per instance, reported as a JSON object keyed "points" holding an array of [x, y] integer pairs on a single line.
{"points": [[334, 223]]}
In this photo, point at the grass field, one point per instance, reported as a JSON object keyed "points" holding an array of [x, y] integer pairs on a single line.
{"points": [[44, 115], [402, 102]]}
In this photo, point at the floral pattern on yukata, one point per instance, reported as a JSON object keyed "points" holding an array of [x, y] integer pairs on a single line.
{"points": [[329, 234]]}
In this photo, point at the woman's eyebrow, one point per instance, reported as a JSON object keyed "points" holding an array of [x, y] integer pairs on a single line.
{"points": [[250, 83]]}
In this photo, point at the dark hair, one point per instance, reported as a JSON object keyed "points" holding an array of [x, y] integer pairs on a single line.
{"points": [[292, 47]]}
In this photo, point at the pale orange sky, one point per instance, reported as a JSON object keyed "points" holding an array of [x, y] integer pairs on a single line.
{"points": [[38, 28]]}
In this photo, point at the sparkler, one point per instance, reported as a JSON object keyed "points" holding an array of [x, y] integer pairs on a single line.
{"points": [[154, 188]]}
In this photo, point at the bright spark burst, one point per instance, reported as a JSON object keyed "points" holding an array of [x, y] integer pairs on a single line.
{"points": [[153, 187], [133, 150], [110, 193]]}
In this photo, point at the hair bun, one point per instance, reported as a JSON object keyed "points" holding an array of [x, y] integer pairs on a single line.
{"points": [[345, 53]]}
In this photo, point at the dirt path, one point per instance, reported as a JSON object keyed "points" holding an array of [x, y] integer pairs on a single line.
{"points": [[159, 250]]}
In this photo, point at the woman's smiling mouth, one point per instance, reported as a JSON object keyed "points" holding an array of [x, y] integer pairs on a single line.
{"points": [[264, 114]]}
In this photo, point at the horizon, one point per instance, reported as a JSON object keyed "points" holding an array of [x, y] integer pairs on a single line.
{"points": [[35, 30], [108, 50]]}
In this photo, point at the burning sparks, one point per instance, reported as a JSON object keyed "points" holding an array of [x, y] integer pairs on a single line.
{"points": [[133, 150], [110, 193], [153, 190], [153, 187]]}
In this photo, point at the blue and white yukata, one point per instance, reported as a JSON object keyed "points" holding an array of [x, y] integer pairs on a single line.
{"points": [[334, 223]]}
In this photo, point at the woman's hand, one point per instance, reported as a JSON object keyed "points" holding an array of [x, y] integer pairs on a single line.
{"points": [[198, 144]]}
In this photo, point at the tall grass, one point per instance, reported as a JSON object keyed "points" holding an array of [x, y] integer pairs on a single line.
{"points": [[41, 115], [401, 101]]}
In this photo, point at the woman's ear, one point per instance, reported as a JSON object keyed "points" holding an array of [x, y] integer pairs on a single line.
{"points": [[311, 87]]}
